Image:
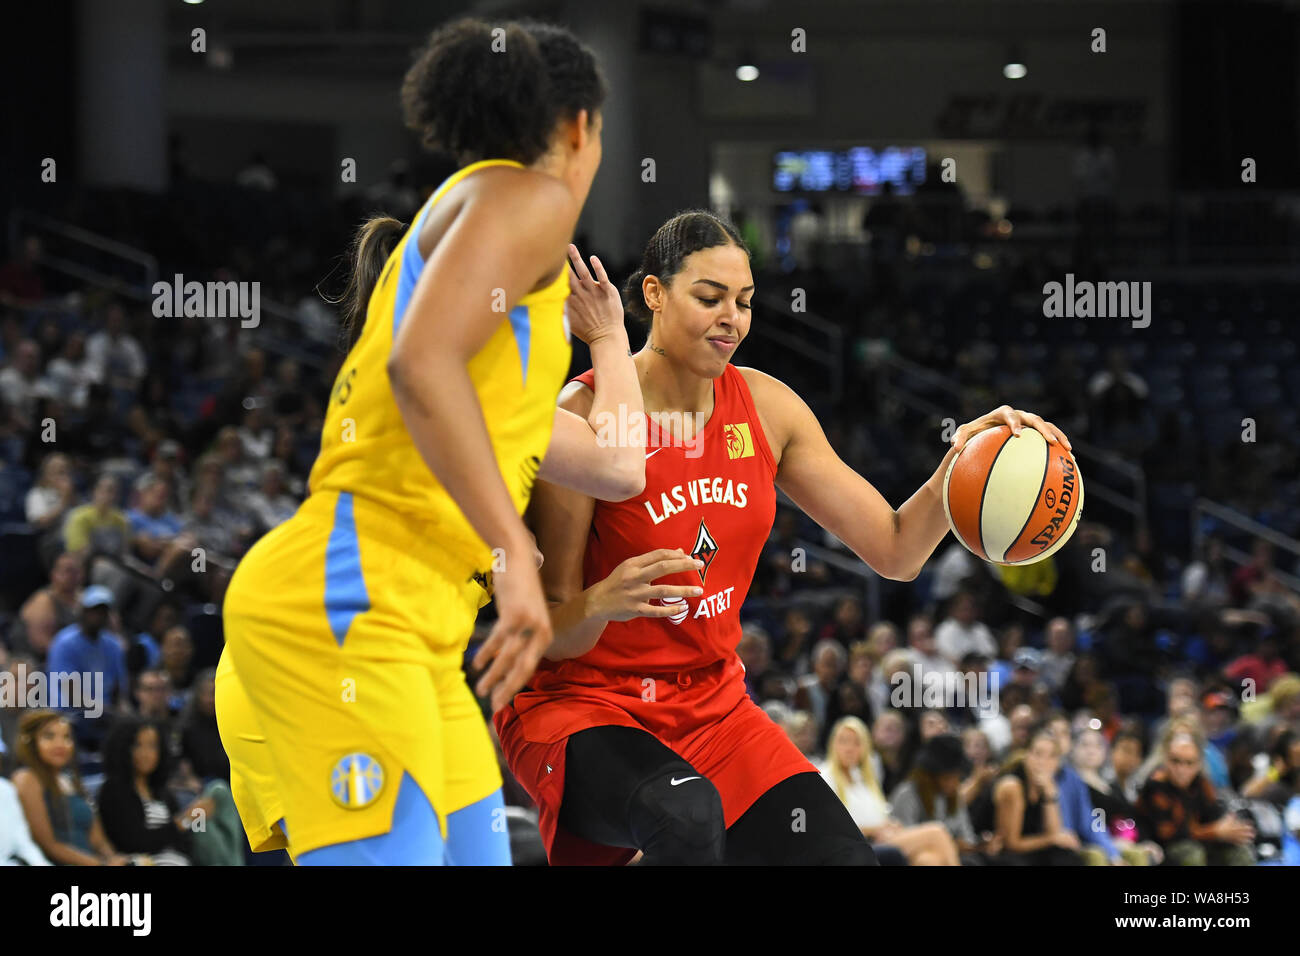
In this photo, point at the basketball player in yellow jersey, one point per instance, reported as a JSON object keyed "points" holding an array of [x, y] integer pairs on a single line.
{"points": [[346, 624]]}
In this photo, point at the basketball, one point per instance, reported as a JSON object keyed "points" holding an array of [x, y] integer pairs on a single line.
{"points": [[1013, 499]]}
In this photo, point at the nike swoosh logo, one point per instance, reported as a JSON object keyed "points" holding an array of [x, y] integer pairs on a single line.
{"points": [[674, 782], [651, 454]]}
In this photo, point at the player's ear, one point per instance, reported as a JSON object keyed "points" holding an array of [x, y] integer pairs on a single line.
{"points": [[653, 291]]}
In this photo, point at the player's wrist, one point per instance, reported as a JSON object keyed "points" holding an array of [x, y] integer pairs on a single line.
{"points": [[610, 340]]}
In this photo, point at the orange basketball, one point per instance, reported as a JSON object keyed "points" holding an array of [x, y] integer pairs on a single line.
{"points": [[1013, 499]]}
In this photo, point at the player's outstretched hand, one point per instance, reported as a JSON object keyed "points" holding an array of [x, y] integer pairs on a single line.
{"points": [[594, 306], [522, 631], [627, 592], [1016, 419]]}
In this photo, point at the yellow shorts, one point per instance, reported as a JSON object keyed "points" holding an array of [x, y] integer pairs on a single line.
{"points": [[345, 631]]}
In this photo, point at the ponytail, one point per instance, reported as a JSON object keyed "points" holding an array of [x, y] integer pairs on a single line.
{"points": [[371, 247]]}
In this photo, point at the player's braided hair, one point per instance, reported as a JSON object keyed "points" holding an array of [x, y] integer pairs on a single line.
{"points": [[685, 233]]}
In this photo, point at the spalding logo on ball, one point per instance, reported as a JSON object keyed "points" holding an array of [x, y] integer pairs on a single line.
{"points": [[1013, 499]]}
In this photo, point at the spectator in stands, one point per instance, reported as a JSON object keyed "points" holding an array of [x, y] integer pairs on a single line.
{"points": [[1262, 667], [1022, 722], [1219, 718], [239, 472], [165, 464], [829, 660], [755, 652], [891, 756], [271, 504], [18, 670], [1250, 575], [54, 801], [50, 609], [1186, 816], [87, 648], [145, 652], [1118, 398], [961, 632], [178, 657], [220, 535], [49, 500], [1280, 707], [153, 698], [156, 535], [21, 385], [982, 770], [1076, 808], [1206, 581], [920, 641], [17, 848], [894, 672], [140, 815], [932, 723], [1058, 657], [1079, 682], [849, 700], [100, 527], [954, 567], [932, 793], [114, 353], [847, 624], [862, 663], [849, 772], [70, 374], [1131, 658], [802, 730], [197, 725], [1027, 807], [1118, 814], [20, 277], [1280, 781], [1126, 756]]}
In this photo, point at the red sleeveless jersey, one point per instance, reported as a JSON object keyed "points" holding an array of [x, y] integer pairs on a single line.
{"points": [[714, 498]]}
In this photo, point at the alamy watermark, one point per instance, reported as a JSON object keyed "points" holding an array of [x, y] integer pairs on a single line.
{"points": [[209, 300], [1100, 300], [652, 429], [57, 690], [943, 690]]}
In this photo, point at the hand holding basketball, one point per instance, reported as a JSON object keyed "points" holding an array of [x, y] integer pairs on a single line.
{"points": [[1012, 495], [1013, 418], [594, 306]]}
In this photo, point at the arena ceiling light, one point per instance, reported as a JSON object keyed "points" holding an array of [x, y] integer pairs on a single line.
{"points": [[1014, 68], [746, 70]]}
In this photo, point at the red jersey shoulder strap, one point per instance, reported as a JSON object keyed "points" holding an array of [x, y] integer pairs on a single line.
{"points": [[587, 378]]}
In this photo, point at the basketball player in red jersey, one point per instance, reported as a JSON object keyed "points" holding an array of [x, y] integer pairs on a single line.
{"points": [[636, 733]]}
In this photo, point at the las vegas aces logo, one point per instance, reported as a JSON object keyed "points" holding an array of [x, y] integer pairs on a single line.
{"points": [[705, 549]]}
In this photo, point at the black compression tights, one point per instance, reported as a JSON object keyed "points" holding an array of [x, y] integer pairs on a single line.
{"points": [[624, 788]]}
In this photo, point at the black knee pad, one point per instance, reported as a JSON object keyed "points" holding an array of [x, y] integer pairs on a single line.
{"points": [[677, 819]]}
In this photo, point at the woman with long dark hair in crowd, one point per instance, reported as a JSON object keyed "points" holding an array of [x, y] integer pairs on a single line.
{"points": [[62, 821]]}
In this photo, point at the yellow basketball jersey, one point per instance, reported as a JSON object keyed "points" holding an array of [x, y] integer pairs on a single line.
{"points": [[365, 447]]}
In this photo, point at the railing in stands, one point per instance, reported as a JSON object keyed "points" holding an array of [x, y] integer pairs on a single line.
{"points": [[1204, 507], [86, 255], [830, 354], [24, 223]]}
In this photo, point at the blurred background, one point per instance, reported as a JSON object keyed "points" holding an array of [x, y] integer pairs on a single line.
{"points": [[245, 141]]}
